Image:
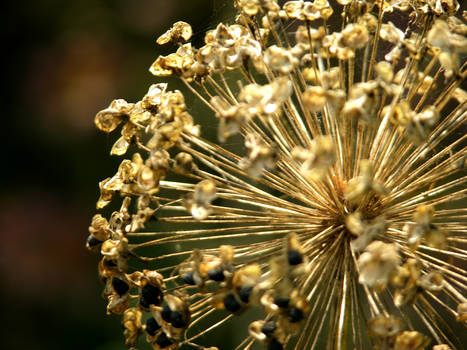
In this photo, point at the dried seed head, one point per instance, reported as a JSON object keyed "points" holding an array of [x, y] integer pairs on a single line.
{"points": [[337, 147]]}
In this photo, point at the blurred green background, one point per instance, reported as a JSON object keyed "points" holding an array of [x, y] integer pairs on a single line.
{"points": [[65, 62]]}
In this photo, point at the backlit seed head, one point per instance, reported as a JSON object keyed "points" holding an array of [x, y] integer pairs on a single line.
{"points": [[330, 207]]}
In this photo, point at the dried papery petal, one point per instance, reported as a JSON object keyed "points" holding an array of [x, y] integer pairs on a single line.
{"points": [[441, 347], [266, 99], [391, 33], [316, 160], [175, 63], [132, 325], [385, 326], [377, 263], [260, 156], [411, 340], [279, 59], [384, 71], [153, 97], [179, 32], [355, 36], [315, 98], [110, 118], [294, 9], [450, 44], [250, 7], [363, 185], [443, 7], [365, 230], [199, 204], [462, 312]]}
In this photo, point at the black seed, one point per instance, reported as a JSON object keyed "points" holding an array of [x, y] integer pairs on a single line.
{"points": [[281, 302], [143, 303], [216, 274], [93, 241], [294, 257], [275, 345], [150, 295], [163, 341], [188, 278], [152, 326], [269, 328], [109, 263], [120, 286], [166, 313], [244, 293], [295, 315], [176, 319], [231, 304]]}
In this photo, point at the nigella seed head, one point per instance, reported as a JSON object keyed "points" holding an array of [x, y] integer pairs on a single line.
{"points": [[340, 217]]}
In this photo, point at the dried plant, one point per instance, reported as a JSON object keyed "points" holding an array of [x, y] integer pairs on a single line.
{"points": [[331, 209]]}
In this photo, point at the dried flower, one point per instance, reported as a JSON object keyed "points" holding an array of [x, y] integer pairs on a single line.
{"points": [[341, 221]]}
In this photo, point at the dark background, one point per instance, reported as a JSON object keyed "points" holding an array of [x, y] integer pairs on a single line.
{"points": [[66, 60]]}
